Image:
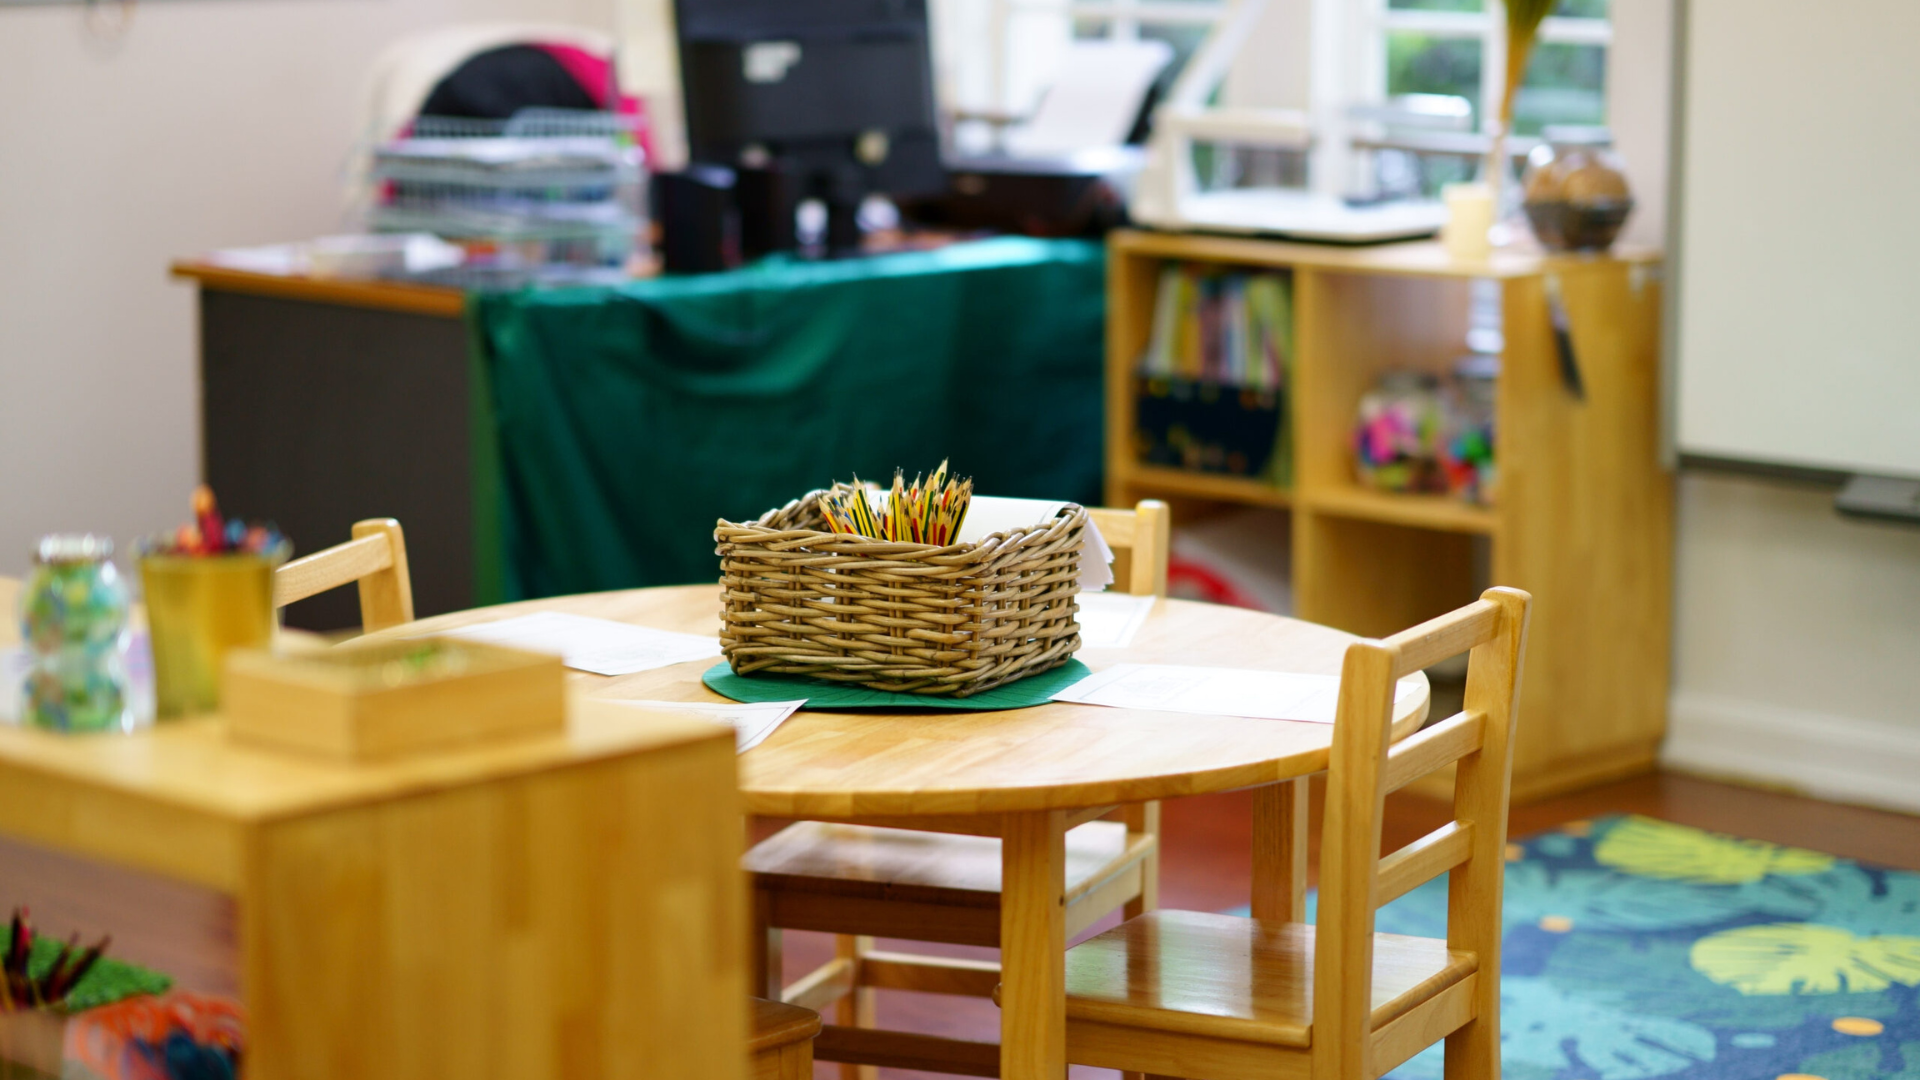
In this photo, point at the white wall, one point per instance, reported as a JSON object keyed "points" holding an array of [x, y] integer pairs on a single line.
{"points": [[1794, 629], [207, 123], [1797, 637]]}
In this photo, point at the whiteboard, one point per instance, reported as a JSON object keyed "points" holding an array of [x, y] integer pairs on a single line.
{"points": [[1798, 234]]}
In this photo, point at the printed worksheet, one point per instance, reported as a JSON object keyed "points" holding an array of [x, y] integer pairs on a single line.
{"points": [[752, 722], [601, 646], [1109, 620], [1267, 695]]}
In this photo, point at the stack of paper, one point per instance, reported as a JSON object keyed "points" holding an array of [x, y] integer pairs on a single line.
{"points": [[601, 646], [991, 514], [1267, 695]]}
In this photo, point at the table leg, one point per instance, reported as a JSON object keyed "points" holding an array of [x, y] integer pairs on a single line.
{"points": [[1033, 943], [1280, 851]]}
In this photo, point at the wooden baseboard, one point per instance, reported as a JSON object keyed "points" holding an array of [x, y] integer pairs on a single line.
{"points": [[1837, 758]]}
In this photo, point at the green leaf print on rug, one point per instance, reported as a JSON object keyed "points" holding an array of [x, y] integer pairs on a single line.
{"points": [[1544, 1025], [1545, 1032], [1658, 978], [1806, 958], [1656, 849]]}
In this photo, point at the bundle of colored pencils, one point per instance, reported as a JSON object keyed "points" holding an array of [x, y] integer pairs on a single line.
{"points": [[24, 990], [210, 534], [929, 512]]}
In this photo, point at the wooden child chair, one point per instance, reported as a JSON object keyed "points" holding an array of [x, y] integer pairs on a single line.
{"points": [[1218, 997], [780, 1044], [862, 882], [376, 557]]}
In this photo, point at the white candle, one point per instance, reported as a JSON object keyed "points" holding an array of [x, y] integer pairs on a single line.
{"points": [[1469, 221]]}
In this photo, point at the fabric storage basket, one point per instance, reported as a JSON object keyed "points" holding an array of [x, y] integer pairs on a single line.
{"points": [[911, 618]]}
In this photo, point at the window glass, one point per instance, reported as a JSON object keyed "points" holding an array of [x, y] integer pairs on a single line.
{"points": [[1565, 84], [1420, 63], [1444, 5], [1184, 37], [1582, 9]]}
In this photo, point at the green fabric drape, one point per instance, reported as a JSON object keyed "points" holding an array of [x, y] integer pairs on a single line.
{"points": [[624, 421]]}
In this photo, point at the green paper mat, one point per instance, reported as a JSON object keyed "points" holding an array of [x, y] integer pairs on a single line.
{"points": [[820, 694]]}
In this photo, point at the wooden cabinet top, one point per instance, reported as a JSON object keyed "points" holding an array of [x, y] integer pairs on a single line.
{"points": [[1421, 258], [416, 299]]}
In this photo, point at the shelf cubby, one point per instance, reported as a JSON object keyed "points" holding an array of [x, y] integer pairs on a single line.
{"points": [[1582, 516]]}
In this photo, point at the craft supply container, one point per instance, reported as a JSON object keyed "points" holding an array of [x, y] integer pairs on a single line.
{"points": [[363, 702], [199, 608], [73, 616], [1208, 427], [32, 1044], [1397, 435], [797, 599]]}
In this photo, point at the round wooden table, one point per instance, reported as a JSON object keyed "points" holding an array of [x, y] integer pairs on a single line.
{"points": [[1025, 775]]}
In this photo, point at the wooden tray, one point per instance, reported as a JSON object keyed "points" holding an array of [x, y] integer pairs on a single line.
{"points": [[393, 698]]}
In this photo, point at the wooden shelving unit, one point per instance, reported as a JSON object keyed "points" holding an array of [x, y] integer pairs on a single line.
{"points": [[1584, 514], [1158, 479]]}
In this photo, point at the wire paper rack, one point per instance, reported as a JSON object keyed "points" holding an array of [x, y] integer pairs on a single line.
{"points": [[548, 194]]}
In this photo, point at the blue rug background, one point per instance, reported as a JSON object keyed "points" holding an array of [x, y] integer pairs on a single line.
{"points": [[1636, 949]]}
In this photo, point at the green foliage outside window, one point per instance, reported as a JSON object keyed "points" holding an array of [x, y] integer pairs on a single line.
{"points": [[1565, 84]]}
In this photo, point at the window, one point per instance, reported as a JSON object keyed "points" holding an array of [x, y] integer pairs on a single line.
{"points": [[1459, 47], [1182, 24], [997, 57], [1023, 38]]}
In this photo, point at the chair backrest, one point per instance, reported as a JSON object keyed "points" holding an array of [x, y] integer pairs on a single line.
{"points": [[1366, 765], [1139, 538], [376, 557]]}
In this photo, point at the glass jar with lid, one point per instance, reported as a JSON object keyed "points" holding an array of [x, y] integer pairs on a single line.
{"points": [[1575, 189], [73, 614]]}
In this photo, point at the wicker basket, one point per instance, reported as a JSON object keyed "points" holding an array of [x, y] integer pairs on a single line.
{"points": [[912, 618]]}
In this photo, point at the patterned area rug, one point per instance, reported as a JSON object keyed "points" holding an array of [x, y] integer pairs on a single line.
{"points": [[1638, 949]]}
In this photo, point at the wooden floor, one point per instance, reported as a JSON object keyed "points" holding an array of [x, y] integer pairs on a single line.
{"points": [[192, 934]]}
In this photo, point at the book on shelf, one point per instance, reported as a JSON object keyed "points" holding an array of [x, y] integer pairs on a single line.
{"points": [[1214, 374], [1226, 328]]}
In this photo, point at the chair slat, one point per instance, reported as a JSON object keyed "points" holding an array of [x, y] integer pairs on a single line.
{"points": [[1117, 526], [1448, 636], [822, 986], [930, 974], [1423, 860], [906, 1050], [1433, 749], [330, 569], [1434, 1019]]}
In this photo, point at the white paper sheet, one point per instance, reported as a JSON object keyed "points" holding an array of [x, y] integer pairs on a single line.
{"points": [[1267, 695], [989, 514], [601, 646], [1109, 620], [752, 722]]}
